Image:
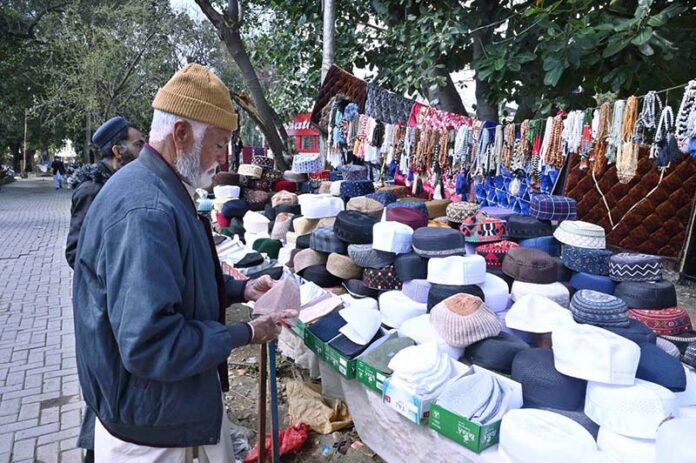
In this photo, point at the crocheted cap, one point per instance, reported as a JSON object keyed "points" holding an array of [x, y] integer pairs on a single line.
{"points": [[464, 319]]}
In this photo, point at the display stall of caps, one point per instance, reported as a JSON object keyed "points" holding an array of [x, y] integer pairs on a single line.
{"points": [[514, 324]]}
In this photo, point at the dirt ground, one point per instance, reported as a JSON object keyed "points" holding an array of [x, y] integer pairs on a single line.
{"points": [[242, 406], [242, 399]]}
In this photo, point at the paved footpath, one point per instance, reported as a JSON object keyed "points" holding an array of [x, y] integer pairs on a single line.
{"points": [[40, 404]]}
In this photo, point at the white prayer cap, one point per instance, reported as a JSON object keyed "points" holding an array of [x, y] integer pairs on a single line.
{"points": [[422, 332], [364, 303], [496, 291], [537, 314], [392, 237], [226, 191], [633, 411], [595, 354], [362, 324], [687, 398], [423, 368], [625, 448], [250, 238], [396, 308], [675, 441], [318, 206], [457, 270], [538, 436], [557, 292], [335, 188], [255, 223]]}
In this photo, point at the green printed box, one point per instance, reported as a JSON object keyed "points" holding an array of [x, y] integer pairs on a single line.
{"points": [[467, 433], [299, 328], [343, 365], [314, 344], [369, 376], [472, 435]]}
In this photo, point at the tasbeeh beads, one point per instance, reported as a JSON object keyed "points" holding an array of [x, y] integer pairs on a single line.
{"points": [[598, 156], [652, 105], [687, 106], [627, 156], [555, 156], [614, 139]]}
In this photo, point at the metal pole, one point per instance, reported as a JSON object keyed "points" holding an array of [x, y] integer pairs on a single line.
{"points": [[275, 425], [24, 150], [263, 360]]}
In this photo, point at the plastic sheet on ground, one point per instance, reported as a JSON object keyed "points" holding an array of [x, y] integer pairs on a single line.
{"points": [[306, 405], [396, 439]]}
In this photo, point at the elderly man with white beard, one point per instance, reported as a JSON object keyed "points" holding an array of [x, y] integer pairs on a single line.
{"points": [[149, 295]]}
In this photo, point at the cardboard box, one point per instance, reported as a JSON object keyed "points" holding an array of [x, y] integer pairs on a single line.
{"points": [[299, 328], [369, 375], [415, 407], [472, 435], [343, 365], [314, 344]]}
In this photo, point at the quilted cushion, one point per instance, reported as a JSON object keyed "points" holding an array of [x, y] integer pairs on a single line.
{"points": [[339, 81], [657, 223], [386, 106]]}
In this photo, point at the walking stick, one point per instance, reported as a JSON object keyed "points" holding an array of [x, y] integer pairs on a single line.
{"points": [[263, 357], [275, 425]]}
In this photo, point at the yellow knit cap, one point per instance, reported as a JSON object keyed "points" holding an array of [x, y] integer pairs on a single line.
{"points": [[195, 93]]}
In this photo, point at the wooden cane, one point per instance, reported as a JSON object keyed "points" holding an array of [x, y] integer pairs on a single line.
{"points": [[275, 420], [263, 368]]}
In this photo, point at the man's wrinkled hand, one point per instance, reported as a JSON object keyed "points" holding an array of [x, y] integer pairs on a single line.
{"points": [[267, 327], [257, 287]]}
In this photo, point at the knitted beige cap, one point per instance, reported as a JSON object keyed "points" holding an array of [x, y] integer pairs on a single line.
{"points": [[343, 267], [195, 93], [283, 197], [307, 258], [304, 226], [366, 205], [463, 319]]}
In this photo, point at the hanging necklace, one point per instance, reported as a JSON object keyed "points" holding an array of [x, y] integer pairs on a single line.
{"points": [[508, 144], [687, 106], [599, 158], [652, 105], [614, 138], [627, 155]]}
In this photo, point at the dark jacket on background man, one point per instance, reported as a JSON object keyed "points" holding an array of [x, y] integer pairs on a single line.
{"points": [[88, 181], [147, 307]]}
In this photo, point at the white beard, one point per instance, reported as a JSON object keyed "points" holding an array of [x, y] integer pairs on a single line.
{"points": [[188, 165]]}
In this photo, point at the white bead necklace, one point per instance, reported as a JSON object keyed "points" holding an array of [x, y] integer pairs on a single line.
{"points": [[651, 106], [614, 138], [664, 126], [687, 106]]}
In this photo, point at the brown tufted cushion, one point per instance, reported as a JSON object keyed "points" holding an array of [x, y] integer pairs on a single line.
{"points": [[658, 224], [339, 81]]}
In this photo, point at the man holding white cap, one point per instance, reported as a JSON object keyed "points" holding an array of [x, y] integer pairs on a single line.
{"points": [[149, 294]]}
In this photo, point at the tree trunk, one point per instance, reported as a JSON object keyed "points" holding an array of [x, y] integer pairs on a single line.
{"points": [[227, 25], [485, 110], [86, 152], [445, 97], [16, 156], [328, 54]]}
